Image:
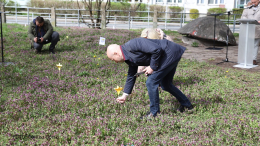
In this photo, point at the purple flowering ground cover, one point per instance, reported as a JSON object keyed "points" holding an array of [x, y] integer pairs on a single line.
{"points": [[40, 106]]}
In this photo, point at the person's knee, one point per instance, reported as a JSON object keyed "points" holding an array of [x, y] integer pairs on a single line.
{"points": [[149, 83], [37, 46], [165, 86], [55, 36]]}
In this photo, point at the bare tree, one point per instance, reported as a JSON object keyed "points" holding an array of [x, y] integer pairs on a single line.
{"points": [[94, 9]]}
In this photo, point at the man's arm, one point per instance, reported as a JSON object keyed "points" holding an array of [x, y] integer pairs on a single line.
{"points": [[49, 32], [130, 81]]}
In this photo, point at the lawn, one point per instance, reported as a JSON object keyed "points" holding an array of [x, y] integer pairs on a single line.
{"points": [[76, 105]]}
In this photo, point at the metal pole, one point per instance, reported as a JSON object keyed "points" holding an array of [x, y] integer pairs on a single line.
{"points": [[234, 23], [128, 20], [32, 15], [15, 11], [165, 19], [78, 17], [181, 20], [2, 45], [65, 19], [28, 16], [131, 22], [148, 15]]}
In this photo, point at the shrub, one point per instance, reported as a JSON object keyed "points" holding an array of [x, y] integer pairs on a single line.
{"points": [[237, 11], [159, 9], [217, 11], [194, 16], [175, 9]]}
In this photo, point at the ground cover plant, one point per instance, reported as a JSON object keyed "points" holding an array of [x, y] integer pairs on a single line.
{"points": [[41, 106]]}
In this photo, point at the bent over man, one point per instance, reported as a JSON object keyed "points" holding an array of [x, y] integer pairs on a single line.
{"points": [[41, 32], [161, 57]]}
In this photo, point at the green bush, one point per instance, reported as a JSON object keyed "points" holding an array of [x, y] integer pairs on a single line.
{"points": [[217, 11], [176, 9], [194, 16], [237, 11]]}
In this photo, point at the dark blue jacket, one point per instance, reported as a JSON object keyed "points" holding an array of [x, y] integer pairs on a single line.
{"points": [[158, 54]]}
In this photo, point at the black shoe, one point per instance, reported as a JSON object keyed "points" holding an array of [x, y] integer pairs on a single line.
{"points": [[182, 108], [37, 51], [148, 116], [52, 51]]}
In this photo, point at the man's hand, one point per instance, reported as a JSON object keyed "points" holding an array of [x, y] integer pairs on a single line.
{"points": [[35, 39], [160, 32], [121, 99], [148, 70], [41, 39], [258, 21]]}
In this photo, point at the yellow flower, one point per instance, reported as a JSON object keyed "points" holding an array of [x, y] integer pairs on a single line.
{"points": [[67, 37], [258, 84], [225, 76], [126, 75], [241, 119], [94, 56], [227, 71], [118, 89], [97, 64], [97, 78], [59, 66], [99, 58]]}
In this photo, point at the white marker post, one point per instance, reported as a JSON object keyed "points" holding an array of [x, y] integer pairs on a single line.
{"points": [[102, 41]]}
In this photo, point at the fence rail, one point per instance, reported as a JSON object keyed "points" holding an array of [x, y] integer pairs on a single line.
{"points": [[74, 17]]}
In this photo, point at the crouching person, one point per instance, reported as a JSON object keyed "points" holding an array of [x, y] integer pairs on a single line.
{"points": [[41, 32]]}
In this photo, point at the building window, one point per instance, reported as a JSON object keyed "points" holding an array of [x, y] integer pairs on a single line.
{"points": [[159, 0], [216, 2], [169, 1], [244, 2], [177, 1], [200, 1]]}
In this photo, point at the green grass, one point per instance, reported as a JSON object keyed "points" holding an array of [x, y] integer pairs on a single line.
{"points": [[41, 106]]}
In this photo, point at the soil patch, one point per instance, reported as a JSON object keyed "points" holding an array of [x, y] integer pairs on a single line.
{"points": [[216, 57]]}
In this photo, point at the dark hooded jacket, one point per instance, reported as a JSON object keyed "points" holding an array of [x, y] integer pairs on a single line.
{"points": [[158, 54], [47, 29]]}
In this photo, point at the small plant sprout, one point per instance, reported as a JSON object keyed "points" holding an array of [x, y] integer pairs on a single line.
{"points": [[118, 90]]}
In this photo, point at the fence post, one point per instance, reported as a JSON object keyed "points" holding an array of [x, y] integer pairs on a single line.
{"points": [[166, 18], [53, 17], [78, 17], [103, 18], [129, 20], [3, 16], [181, 20], [148, 16], [28, 19], [65, 19], [234, 23], [155, 18]]}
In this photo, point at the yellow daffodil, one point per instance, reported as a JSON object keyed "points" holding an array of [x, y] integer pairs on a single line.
{"points": [[59, 66], [227, 71], [118, 89], [67, 37], [94, 56]]}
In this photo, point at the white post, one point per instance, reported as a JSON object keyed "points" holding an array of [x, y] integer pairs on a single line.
{"points": [[16, 11], [247, 29]]}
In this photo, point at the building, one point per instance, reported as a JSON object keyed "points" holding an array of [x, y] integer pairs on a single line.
{"points": [[201, 5]]}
